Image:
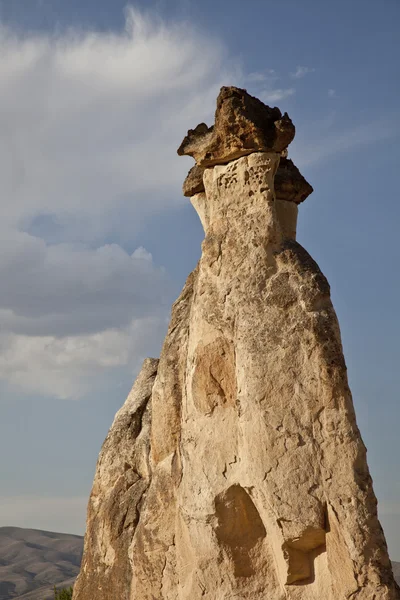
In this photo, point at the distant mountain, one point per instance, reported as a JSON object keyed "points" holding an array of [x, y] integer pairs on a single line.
{"points": [[33, 561]]}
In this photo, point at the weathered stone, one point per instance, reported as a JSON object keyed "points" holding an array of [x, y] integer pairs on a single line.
{"points": [[252, 475], [243, 124], [287, 213], [193, 183], [290, 184], [121, 481]]}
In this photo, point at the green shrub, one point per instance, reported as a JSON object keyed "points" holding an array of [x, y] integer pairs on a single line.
{"points": [[65, 594]]}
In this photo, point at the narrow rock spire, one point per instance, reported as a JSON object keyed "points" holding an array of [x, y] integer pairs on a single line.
{"points": [[235, 469]]}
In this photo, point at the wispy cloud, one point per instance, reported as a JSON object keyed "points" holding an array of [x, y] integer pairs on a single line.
{"points": [[274, 95], [301, 72], [90, 123], [266, 87], [259, 77], [77, 364], [331, 93]]}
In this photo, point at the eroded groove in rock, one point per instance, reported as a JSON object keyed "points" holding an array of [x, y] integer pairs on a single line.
{"points": [[299, 554], [251, 479], [240, 528]]}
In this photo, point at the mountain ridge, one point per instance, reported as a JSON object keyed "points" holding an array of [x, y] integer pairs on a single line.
{"points": [[32, 561]]}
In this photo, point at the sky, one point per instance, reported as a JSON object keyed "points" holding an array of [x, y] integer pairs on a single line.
{"points": [[96, 239]]}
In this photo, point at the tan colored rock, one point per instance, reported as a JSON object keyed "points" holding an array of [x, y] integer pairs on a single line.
{"points": [[122, 478], [193, 183], [287, 213], [243, 124], [254, 475], [290, 184]]}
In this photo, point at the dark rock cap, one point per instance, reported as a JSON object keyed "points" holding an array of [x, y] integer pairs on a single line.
{"points": [[243, 124]]}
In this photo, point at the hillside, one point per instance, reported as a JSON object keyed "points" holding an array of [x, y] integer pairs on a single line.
{"points": [[32, 561]]}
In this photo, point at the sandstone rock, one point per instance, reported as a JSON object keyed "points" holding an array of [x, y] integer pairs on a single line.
{"points": [[290, 184], [243, 124], [193, 183], [122, 478], [252, 480]]}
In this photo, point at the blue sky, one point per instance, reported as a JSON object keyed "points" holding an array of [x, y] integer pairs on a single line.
{"points": [[96, 239]]}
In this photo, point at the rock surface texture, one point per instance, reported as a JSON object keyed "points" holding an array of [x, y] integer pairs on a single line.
{"points": [[235, 468]]}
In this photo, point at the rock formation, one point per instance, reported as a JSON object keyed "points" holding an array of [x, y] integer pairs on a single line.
{"points": [[235, 469]]}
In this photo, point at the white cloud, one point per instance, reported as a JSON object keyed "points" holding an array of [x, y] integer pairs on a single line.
{"points": [[67, 289], [90, 124], [276, 95], [331, 93], [301, 72], [45, 513], [70, 366], [259, 77], [264, 85]]}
